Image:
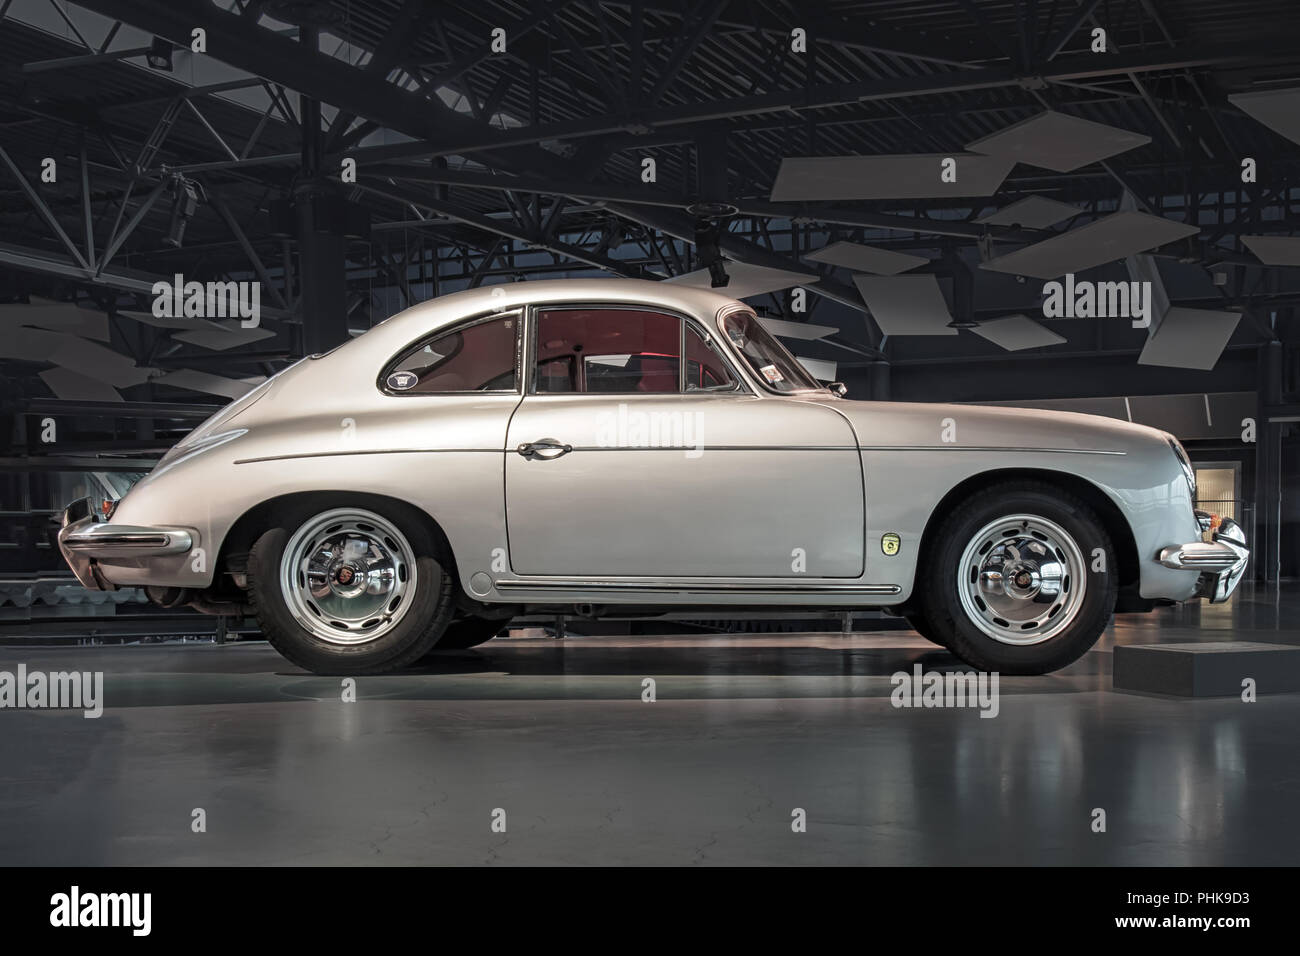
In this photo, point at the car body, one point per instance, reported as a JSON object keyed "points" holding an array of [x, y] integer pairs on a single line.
{"points": [[603, 473]]}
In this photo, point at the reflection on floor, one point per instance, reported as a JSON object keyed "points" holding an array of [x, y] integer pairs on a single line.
{"points": [[745, 731]]}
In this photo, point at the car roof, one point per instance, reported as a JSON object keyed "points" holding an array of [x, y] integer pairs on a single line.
{"points": [[445, 310]]}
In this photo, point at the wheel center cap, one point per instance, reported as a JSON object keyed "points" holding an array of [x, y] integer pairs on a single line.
{"points": [[347, 580], [1022, 581]]}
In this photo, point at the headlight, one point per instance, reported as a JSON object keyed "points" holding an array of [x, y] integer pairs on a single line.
{"points": [[1188, 471]]}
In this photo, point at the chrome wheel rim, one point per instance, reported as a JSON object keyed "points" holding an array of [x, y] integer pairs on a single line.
{"points": [[1022, 579], [347, 576]]}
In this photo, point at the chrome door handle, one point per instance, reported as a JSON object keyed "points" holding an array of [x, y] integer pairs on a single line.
{"points": [[544, 448]]}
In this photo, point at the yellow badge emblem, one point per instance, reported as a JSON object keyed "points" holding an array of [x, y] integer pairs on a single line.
{"points": [[889, 543]]}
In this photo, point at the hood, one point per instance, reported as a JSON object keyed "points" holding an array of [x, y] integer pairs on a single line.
{"points": [[922, 425]]}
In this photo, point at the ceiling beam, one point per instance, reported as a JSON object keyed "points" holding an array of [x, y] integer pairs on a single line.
{"points": [[440, 131], [649, 196], [279, 59]]}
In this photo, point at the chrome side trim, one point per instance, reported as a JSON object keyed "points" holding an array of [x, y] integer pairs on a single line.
{"points": [[693, 586], [371, 451], [997, 448], [708, 447], [497, 451]]}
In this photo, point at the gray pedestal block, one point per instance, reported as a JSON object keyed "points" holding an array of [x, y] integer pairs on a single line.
{"points": [[1206, 670]]}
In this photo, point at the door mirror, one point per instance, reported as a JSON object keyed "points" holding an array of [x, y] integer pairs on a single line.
{"points": [[839, 388]]}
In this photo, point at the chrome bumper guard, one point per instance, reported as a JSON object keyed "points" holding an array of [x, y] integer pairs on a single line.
{"points": [[85, 538], [1221, 561]]}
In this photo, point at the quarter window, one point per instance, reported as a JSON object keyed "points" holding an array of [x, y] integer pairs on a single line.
{"points": [[476, 358]]}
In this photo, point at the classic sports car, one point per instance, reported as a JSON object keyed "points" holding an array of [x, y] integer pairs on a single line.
{"points": [[607, 446]]}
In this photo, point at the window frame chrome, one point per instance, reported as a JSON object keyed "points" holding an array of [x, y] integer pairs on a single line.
{"points": [[459, 326], [739, 382]]}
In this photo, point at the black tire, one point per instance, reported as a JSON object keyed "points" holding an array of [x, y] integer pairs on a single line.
{"points": [[421, 624], [924, 628], [958, 624], [470, 631]]}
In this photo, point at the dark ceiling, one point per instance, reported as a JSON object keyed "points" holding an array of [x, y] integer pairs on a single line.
{"points": [[586, 91]]}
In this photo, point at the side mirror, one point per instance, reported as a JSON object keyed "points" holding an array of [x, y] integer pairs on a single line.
{"points": [[839, 388]]}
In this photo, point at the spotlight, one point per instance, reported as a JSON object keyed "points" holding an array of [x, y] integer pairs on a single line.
{"points": [[160, 54], [709, 253], [185, 202], [709, 209]]}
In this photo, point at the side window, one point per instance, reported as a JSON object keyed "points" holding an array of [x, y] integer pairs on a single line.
{"points": [[705, 368], [616, 351], [476, 358]]}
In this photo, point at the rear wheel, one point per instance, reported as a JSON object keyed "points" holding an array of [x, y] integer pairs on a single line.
{"points": [[350, 589], [1021, 580]]}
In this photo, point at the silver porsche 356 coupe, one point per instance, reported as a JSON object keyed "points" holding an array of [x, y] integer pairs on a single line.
{"points": [[608, 446]]}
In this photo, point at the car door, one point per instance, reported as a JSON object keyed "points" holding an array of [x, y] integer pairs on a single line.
{"points": [[623, 460]]}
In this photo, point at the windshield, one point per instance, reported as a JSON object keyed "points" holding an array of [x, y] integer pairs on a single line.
{"points": [[775, 367]]}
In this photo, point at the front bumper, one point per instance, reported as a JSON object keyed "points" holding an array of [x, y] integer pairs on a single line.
{"points": [[1221, 561], [85, 540]]}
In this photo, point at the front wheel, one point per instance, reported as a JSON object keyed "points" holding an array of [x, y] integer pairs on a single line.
{"points": [[1022, 579], [470, 631], [351, 589], [923, 627]]}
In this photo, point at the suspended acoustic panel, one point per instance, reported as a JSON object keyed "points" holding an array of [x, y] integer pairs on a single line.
{"points": [[1059, 142], [1118, 235], [224, 335], [796, 330], [97, 362], [1032, 212], [860, 258], [1275, 250], [911, 176], [81, 358], [56, 317], [165, 322], [820, 369], [747, 280], [29, 345], [209, 384], [1189, 338], [75, 387], [1016, 332], [906, 305], [1279, 110]]}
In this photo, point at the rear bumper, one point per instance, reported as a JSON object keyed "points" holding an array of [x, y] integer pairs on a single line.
{"points": [[85, 541], [1221, 561]]}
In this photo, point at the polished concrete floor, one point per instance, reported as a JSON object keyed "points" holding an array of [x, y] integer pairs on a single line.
{"points": [[744, 731]]}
